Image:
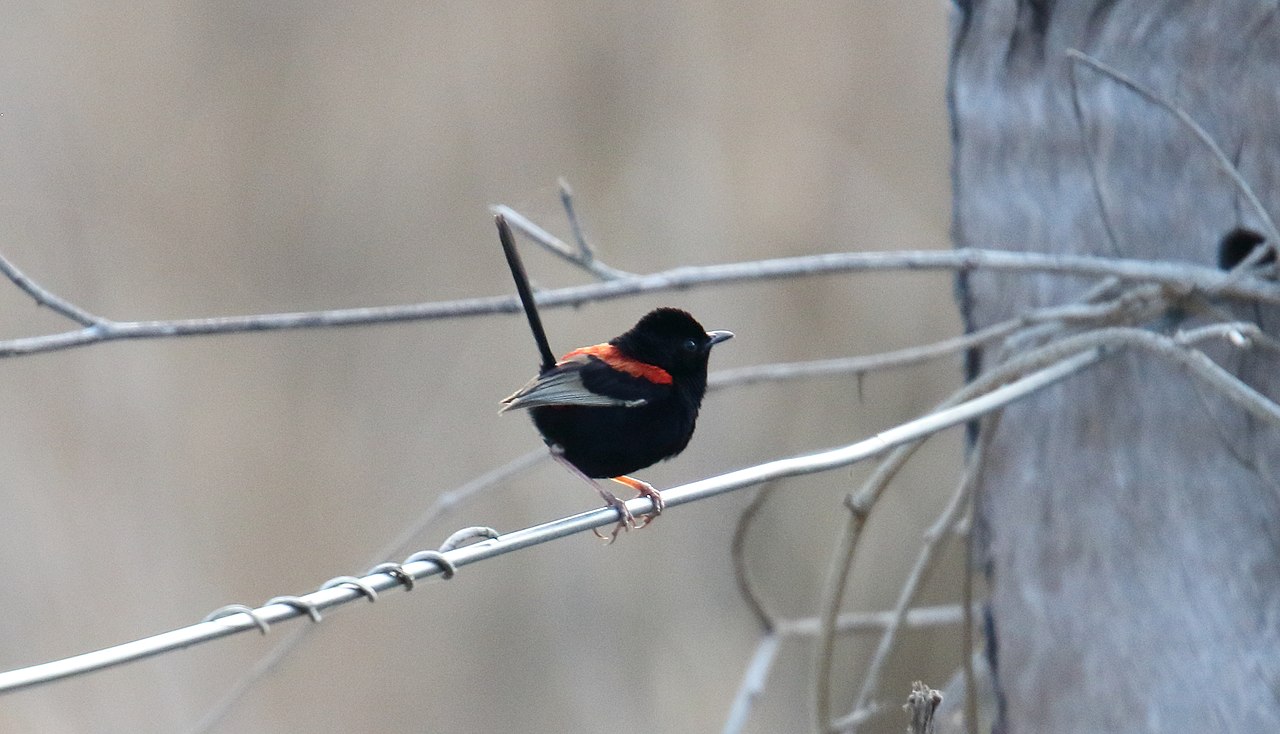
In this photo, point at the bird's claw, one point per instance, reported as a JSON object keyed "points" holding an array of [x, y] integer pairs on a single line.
{"points": [[626, 520], [645, 490]]}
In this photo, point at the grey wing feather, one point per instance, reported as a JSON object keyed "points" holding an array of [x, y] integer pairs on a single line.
{"points": [[561, 387]]}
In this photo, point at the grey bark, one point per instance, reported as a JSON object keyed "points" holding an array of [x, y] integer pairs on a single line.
{"points": [[1128, 521]]}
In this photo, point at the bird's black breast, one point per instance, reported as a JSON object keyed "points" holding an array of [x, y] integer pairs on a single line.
{"points": [[613, 441]]}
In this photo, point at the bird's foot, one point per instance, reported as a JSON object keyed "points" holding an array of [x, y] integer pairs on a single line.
{"points": [[626, 520], [646, 490]]}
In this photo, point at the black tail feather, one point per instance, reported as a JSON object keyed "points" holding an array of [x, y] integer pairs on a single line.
{"points": [[526, 293]]}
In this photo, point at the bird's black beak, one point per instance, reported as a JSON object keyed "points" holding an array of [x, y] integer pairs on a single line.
{"points": [[716, 337]]}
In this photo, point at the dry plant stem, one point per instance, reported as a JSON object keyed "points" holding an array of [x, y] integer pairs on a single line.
{"points": [[47, 299], [829, 608], [1200, 365], [1091, 155], [858, 622], [1137, 304], [1051, 318], [859, 505], [1219, 157], [585, 250], [921, 704], [396, 548], [1185, 277], [582, 256], [1063, 349], [737, 552], [753, 683], [966, 637], [859, 365], [933, 539], [756, 675]]}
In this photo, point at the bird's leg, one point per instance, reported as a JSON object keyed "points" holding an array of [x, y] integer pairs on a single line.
{"points": [[626, 520], [646, 490]]}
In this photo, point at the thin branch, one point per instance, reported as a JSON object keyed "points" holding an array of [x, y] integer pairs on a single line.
{"points": [[966, 632], [1085, 345], [737, 552], [753, 683], [1051, 363], [933, 538], [583, 256], [1091, 155], [858, 622], [1198, 363], [1140, 302], [314, 603], [757, 673], [585, 250], [1210, 281], [1219, 157], [46, 298], [783, 371]]}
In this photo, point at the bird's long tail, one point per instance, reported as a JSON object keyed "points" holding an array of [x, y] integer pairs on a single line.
{"points": [[526, 293]]}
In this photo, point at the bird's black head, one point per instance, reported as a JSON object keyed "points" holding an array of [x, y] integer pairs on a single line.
{"points": [[673, 340]]}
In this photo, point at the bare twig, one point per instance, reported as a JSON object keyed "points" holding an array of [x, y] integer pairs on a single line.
{"points": [[967, 628], [585, 250], [1141, 302], [1226, 384], [757, 672], [857, 622], [582, 256], [1219, 157], [1188, 277], [1081, 345], [1091, 155], [737, 551], [753, 682], [46, 298], [933, 538], [1041, 362], [783, 371]]}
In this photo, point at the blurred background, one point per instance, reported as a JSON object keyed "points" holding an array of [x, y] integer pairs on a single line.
{"points": [[164, 160]]}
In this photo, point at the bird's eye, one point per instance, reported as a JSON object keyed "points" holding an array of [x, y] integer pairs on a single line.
{"points": [[690, 345]]}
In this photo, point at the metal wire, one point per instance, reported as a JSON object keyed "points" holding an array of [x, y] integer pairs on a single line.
{"points": [[232, 620]]}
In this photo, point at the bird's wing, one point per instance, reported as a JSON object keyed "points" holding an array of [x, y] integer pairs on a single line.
{"points": [[583, 379]]}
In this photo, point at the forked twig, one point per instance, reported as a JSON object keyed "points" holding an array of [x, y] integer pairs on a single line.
{"points": [[47, 298], [582, 256]]}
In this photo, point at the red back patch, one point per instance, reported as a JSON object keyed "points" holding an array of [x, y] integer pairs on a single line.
{"points": [[613, 357]]}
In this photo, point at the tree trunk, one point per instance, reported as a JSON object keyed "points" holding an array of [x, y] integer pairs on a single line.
{"points": [[1128, 520]]}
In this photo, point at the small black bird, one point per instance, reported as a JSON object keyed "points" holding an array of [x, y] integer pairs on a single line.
{"points": [[611, 409]]}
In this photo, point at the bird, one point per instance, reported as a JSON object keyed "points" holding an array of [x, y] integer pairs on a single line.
{"points": [[611, 409]]}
